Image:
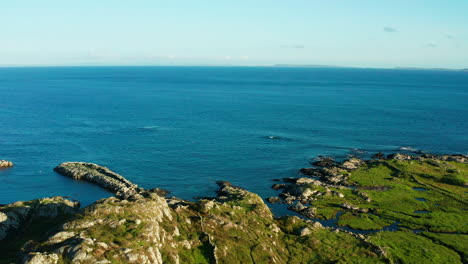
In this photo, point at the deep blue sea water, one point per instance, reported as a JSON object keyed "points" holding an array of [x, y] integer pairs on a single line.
{"points": [[182, 128]]}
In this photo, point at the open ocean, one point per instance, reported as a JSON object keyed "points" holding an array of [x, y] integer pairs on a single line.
{"points": [[183, 128]]}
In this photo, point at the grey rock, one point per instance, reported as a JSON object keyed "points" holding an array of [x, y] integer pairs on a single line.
{"points": [[99, 175], [60, 237], [19, 214], [460, 159], [297, 207], [308, 181], [41, 258], [294, 190], [339, 194], [317, 225], [304, 231], [308, 192], [399, 156], [309, 212], [351, 207], [352, 164]]}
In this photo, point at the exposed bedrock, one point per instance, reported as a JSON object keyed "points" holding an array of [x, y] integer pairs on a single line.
{"points": [[100, 176], [16, 217]]}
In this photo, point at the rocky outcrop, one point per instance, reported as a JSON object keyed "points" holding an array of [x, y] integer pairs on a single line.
{"points": [[42, 258], [408, 157], [328, 177], [6, 164], [16, 217], [352, 207], [100, 176], [233, 227], [352, 164]]}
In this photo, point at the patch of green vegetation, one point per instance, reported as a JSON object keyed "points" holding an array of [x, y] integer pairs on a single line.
{"points": [[63, 260], [444, 203], [373, 175], [329, 205], [327, 212], [456, 242], [123, 235], [407, 247], [325, 246], [199, 255], [362, 221]]}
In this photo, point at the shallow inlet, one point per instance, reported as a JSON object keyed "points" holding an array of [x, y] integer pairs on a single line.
{"points": [[281, 209], [419, 189]]}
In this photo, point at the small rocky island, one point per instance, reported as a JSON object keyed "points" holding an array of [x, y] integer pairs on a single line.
{"points": [[6, 164], [391, 209]]}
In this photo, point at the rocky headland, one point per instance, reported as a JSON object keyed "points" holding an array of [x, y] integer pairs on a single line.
{"points": [[353, 211]]}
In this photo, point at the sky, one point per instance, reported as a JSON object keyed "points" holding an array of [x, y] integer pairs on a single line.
{"points": [[357, 33]]}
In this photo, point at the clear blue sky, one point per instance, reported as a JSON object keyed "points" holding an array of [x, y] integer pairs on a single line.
{"points": [[365, 33]]}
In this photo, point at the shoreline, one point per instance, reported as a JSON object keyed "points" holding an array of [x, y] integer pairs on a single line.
{"points": [[345, 200]]}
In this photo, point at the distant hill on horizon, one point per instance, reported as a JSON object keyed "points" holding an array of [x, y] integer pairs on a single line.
{"points": [[351, 67]]}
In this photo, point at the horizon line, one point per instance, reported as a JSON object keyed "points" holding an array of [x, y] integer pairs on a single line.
{"points": [[281, 65]]}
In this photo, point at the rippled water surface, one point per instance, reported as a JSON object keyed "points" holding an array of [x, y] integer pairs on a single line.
{"points": [[182, 128]]}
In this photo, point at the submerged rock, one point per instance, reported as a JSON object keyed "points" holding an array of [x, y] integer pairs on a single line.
{"points": [[273, 200], [278, 186]]}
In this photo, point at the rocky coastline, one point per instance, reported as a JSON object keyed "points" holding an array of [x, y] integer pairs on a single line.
{"points": [[147, 226]]}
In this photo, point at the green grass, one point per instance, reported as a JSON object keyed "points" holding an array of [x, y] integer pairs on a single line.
{"points": [[363, 221], [199, 255], [444, 201], [324, 246], [407, 247], [456, 242]]}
